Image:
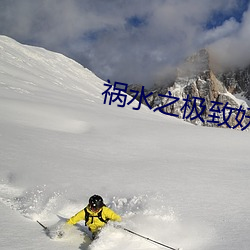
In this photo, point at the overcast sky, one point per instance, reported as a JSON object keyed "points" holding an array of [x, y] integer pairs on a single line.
{"points": [[131, 41]]}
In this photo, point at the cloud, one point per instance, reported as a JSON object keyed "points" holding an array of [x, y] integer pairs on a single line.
{"points": [[232, 50], [228, 28], [128, 41]]}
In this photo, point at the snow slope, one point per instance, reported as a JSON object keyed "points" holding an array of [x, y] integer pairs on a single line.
{"points": [[179, 184]]}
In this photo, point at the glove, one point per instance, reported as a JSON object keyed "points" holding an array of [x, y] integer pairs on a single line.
{"points": [[60, 234], [62, 229]]}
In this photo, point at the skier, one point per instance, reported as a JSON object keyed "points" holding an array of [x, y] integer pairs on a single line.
{"points": [[95, 214]]}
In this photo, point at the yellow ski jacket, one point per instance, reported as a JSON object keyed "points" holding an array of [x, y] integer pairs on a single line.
{"points": [[94, 223]]}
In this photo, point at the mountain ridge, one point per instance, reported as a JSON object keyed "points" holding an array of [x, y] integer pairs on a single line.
{"points": [[196, 79]]}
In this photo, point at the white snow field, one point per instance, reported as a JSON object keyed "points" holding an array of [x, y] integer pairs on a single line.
{"points": [[182, 185]]}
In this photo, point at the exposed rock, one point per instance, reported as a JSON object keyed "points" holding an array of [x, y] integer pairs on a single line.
{"points": [[237, 81], [195, 82]]}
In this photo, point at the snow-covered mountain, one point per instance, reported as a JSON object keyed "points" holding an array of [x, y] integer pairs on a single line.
{"points": [[182, 185], [199, 83], [237, 81]]}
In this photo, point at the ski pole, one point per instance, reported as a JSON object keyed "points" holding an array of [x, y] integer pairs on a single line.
{"points": [[45, 228], [146, 238]]}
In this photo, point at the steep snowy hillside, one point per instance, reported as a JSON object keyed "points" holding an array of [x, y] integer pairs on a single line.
{"points": [[179, 184]]}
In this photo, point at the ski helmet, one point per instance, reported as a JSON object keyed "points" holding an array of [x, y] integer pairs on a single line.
{"points": [[95, 202]]}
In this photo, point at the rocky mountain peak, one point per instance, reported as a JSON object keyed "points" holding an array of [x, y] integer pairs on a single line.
{"points": [[237, 81], [196, 76], [197, 64], [197, 81]]}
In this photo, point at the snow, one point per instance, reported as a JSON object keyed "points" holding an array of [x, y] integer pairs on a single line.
{"points": [[240, 100], [245, 101], [182, 185]]}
